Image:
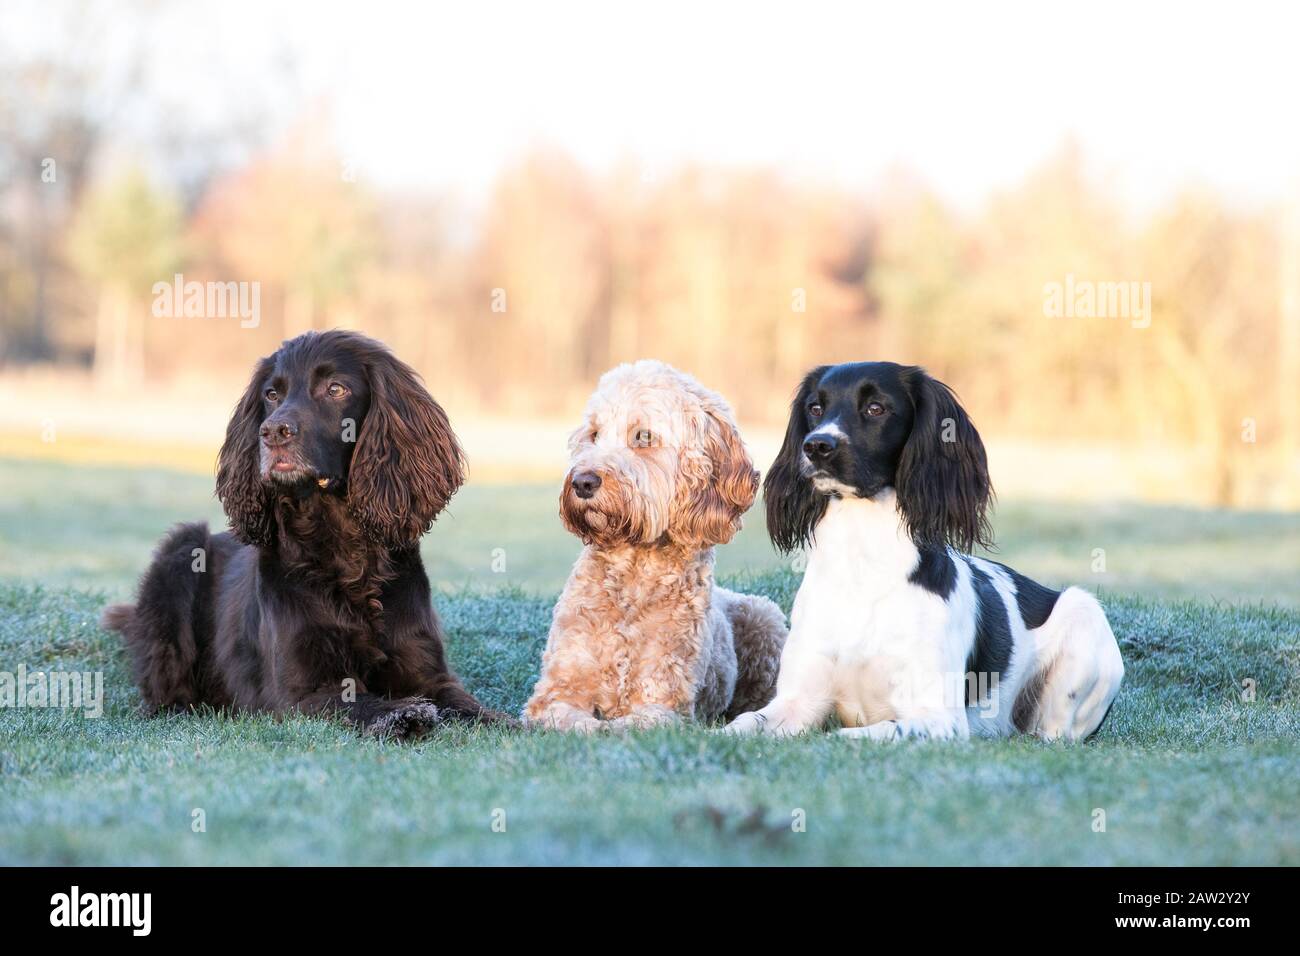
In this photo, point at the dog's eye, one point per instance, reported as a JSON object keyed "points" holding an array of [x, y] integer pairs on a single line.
{"points": [[643, 438], [336, 390], [875, 408], [272, 395], [815, 410]]}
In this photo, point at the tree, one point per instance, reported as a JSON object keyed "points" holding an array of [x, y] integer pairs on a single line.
{"points": [[126, 236], [291, 219]]}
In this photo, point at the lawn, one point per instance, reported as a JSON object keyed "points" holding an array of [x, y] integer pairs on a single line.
{"points": [[1187, 770]]}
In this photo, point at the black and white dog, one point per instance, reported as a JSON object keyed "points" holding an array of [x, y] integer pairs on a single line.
{"points": [[895, 628]]}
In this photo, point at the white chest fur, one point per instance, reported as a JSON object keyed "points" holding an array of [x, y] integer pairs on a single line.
{"points": [[857, 612], [856, 578]]}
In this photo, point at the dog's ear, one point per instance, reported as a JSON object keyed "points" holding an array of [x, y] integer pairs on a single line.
{"points": [[722, 481], [245, 497], [407, 462], [582, 435], [943, 476], [793, 506]]}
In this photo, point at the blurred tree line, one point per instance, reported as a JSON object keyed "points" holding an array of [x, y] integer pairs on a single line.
{"points": [[740, 276]]}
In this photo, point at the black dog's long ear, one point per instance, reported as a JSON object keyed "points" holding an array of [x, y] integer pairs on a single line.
{"points": [[943, 474], [407, 463], [793, 507], [246, 498]]}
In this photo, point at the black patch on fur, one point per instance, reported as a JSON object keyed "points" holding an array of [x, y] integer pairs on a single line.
{"points": [[993, 642], [935, 572], [1035, 600]]}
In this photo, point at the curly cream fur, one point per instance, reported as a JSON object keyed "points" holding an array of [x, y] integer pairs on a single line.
{"points": [[641, 635]]}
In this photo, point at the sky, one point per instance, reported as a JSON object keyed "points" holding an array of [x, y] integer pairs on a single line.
{"points": [[969, 96]]}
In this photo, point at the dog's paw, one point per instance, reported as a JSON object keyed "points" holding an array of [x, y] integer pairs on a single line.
{"points": [[644, 718], [405, 720], [750, 723], [885, 731], [621, 725], [495, 718], [584, 725], [566, 722]]}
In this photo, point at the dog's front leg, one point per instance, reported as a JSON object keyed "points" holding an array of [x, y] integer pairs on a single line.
{"points": [[945, 724], [645, 716], [416, 666], [661, 692], [925, 705], [559, 715], [402, 719], [803, 698], [565, 695], [559, 701]]}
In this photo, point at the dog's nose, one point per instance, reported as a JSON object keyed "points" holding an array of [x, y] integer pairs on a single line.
{"points": [[819, 447], [586, 483], [278, 432]]}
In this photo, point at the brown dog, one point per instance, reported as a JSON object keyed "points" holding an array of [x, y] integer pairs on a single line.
{"points": [[335, 464]]}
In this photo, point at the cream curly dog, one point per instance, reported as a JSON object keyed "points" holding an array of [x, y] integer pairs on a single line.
{"points": [[641, 636]]}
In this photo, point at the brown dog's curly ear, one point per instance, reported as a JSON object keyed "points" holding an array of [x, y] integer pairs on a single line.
{"points": [[245, 497], [725, 492], [407, 462]]}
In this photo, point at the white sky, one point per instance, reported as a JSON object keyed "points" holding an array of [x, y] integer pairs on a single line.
{"points": [[969, 95]]}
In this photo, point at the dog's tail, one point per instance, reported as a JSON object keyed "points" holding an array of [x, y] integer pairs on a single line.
{"points": [[759, 632], [116, 617]]}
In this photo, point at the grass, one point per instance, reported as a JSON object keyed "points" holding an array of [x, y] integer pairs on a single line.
{"points": [[1186, 771], [98, 530]]}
